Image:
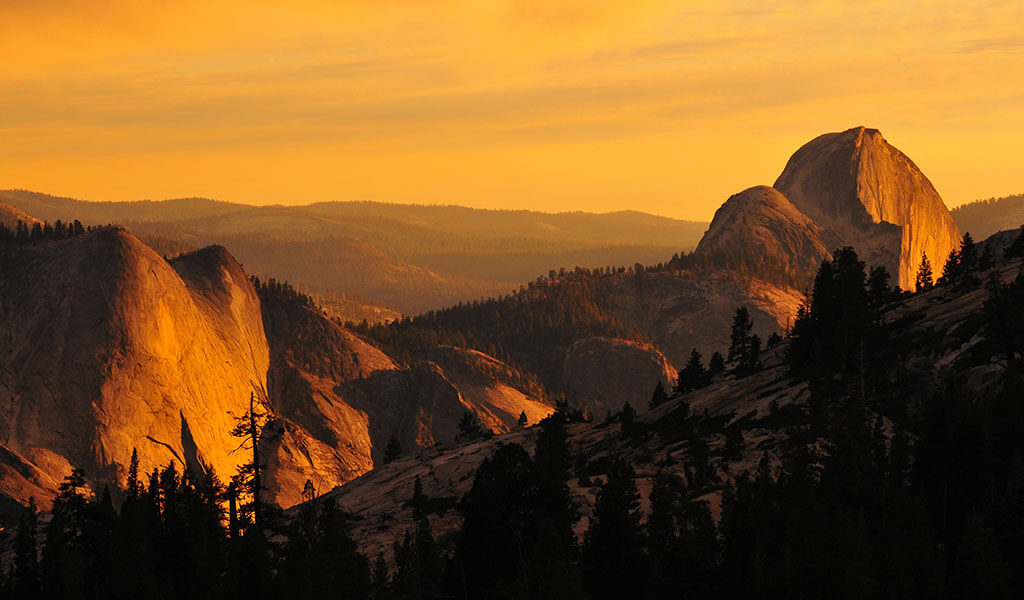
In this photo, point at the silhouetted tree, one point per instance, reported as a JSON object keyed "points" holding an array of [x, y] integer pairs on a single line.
{"points": [[716, 365], [26, 559], [613, 557], [469, 428], [924, 279], [739, 339], [692, 375], [659, 396], [392, 450]]}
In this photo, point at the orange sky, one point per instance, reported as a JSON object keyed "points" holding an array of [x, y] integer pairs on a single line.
{"points": [[666, 107]]}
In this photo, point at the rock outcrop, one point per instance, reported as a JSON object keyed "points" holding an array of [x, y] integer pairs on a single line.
{"points": [[106, 347], [870, 195], [603, 374], [762, 232], [337, 399]]}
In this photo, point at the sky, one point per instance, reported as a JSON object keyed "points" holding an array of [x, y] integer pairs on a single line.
{"points": [[594, 105]]}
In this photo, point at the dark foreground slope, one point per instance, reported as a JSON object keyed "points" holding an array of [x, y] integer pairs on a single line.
{"points": [[906, 479]]}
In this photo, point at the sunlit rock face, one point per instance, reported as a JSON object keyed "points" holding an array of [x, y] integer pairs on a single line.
{"points": [[605, 373], [868, 194], [106, 347], [762, 231]]}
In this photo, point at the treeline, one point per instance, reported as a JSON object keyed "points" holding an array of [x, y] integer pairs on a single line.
{"points": [[41, 232]]}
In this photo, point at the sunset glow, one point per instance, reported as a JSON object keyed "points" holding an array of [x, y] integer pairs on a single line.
{"points": [[665, 107]]}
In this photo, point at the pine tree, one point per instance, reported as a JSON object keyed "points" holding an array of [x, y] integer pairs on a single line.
{"points": [[692, 375], [26, 558], [627, 417], [951, 270], [553, 563], [469, 428], [249, 428], [716, 365], [924, 279], [659, 396], [740, 336], [613, 557], [381, 583], [879, 292], [523, 421], [968, 253], [133, 486], [393, 450]]}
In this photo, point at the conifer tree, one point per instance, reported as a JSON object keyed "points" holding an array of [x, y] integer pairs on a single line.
{"points": [[613, 556], [879, 291], [716, 365], [249, 428], [134, 488], [924, 280], [692, 375], [469, 428], [740, 336], [659, 396], [26, 559], [393, 450], [523, 421]]}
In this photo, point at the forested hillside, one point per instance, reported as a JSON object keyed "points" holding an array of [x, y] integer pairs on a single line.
{"points": [[982, 218]]}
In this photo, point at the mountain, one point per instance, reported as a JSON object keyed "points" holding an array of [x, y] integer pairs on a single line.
{"points": [[599, 336], [869, 195], [983, 218], [761, 231], [759, 252], [336, 399], [106, 347], [943, 360], [410, 258]]}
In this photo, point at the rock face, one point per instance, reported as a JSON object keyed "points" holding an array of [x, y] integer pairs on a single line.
{"points": [[605, 373], [337, 400], [870, 195], [106, 347], [762, 231]]}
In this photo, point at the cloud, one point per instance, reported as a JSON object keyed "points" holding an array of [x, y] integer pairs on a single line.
{"points": [[1012, 44]]}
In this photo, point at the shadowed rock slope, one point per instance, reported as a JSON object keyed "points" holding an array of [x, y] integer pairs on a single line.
{"points": [[336, 399], [940, 340]]}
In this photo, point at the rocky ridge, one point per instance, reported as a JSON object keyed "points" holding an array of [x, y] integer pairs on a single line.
{"points": [[106, 348]]}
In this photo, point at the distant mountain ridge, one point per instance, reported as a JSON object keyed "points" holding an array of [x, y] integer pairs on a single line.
{"points": [[983, 218], [411, 258]]}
